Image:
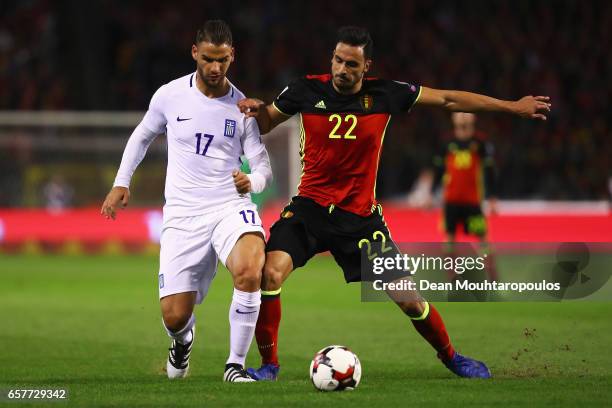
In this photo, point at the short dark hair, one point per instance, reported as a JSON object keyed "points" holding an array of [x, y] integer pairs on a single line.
{"points": [[356, 36], [214, 31]]}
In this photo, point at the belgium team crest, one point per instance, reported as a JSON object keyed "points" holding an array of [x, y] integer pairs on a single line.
{"points": [[366, 102]]}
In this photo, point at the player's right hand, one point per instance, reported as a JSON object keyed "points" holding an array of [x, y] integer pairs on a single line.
{"points": [[118, 196], [251, 106]]}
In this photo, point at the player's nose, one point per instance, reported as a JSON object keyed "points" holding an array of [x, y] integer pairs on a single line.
{"points": [[216, 67]]}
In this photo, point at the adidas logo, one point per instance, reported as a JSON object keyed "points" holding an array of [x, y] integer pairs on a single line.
{"points": [[320, 105]]}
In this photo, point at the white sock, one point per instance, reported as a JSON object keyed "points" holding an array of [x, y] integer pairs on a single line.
{"points": [[183, 336], [243, 314]]}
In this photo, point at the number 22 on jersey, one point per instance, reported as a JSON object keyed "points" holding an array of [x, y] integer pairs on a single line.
{"points": [[350, 119]]}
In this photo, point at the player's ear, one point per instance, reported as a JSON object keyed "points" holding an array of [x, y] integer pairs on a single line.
{"points": [[194, 52], [367, 65], [233, 54]]}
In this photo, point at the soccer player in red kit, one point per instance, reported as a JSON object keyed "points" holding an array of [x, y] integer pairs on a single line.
{"points": [[467, 170], [466, 167], [344, 116]]}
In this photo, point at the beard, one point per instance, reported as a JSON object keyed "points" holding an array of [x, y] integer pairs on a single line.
{"points": [[212, 83], [344, 83]]}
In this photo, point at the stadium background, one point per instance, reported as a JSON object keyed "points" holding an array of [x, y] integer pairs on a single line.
{"points": [[104, 57], [75, 78]]}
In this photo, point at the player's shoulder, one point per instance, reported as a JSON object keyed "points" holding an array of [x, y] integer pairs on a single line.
{"points": [[174, 88], [310, 81], [305, 88], [388, 85], [180, 84], [316, 78], [235, 93]]}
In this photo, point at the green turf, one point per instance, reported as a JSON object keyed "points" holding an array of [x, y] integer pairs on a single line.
{"points": [[92, 325]]}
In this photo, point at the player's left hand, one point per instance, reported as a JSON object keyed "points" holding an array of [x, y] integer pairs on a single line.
{"points": [[532, 107], [241, 181]]}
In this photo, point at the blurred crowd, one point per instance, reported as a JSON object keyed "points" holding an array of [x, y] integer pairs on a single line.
{"points": [[104, 54]]}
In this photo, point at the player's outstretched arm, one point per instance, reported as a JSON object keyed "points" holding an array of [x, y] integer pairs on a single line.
{"points": [[134, 152], [118, 197], [267, 116], [530, 107]]}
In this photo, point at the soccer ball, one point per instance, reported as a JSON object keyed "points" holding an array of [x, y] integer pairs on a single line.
{"points": [[335, 368]]}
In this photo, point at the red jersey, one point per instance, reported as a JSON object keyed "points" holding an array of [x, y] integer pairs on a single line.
{"points": [[468, 168], [341, 136]]}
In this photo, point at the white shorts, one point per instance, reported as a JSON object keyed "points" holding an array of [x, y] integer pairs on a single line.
{"points": [[192, 246]]}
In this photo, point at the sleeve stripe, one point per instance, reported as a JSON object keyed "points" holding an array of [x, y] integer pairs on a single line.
{"points": [[417, 98], [278, 109]]}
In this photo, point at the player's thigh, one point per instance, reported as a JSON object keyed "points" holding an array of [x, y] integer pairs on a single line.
{"points": [[295, 235], [358, 250], [451, 218], [233, 223], [187, 261], [246, 260], [475, 221]]}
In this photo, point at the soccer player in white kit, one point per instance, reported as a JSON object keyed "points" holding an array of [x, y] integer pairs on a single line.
{"points": [[208, 214]]}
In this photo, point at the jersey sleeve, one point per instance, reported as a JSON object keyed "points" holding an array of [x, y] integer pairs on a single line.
{"points": [[252, 145], [257, 156], [403, 95], [154, 119], [152, 124], [289, 101]]}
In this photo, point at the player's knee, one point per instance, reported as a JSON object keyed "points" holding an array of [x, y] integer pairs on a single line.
{"points": [[175, 318], [247, 273], [273, 276], [412, 308]]}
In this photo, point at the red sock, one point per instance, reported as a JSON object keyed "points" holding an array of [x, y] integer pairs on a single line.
{"points": [[266, 331], [432, 329]]}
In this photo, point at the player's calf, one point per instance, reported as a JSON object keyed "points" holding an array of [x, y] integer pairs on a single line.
{"points": [[179, 322], [428, 322], [278, 266], [179, 352], [245, 263]]}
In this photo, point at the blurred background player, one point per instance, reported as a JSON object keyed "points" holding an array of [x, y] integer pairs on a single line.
{"points": [[466, 168], [208, 215], [344, 117]]}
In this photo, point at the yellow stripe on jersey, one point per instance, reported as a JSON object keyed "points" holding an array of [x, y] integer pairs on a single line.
{"points": [[302, 149], [379, 152]]}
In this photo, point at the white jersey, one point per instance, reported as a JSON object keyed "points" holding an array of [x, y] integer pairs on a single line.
{"points": [[206, 137]]}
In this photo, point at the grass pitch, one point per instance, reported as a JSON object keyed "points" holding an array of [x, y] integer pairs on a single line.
{"points": [[92, 325]]}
